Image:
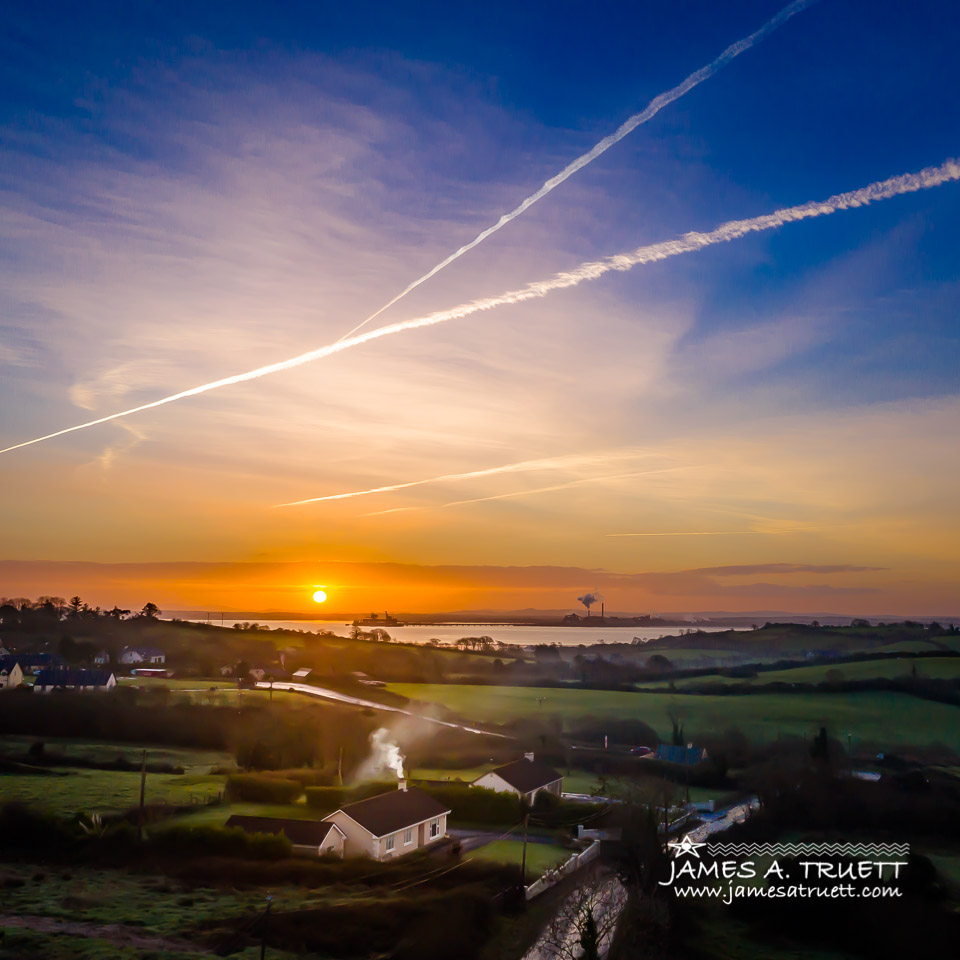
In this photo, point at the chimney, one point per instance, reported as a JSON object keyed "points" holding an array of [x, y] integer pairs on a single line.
{"points": [[601, 610], [528, 756], [401, 784]]}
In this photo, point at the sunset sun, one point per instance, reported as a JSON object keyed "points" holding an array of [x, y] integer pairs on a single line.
{"points": [[319, 596]]}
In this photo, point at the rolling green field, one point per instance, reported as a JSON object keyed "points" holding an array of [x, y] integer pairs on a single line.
{"points": [[932, 667], [878, 718], [193, 761], [211, 692], [540, 856], [683, 656], [67, 792]]}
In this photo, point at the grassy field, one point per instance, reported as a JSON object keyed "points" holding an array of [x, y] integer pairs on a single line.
{"points": [[932, 667], [213, 692], [883, 719], [540, 856], [193, 761], [150, 907], [67, 792], [683, 656]]}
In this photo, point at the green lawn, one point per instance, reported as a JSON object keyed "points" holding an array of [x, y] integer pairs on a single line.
{"points": [[884, 719], [579, 781], [540, 856]]}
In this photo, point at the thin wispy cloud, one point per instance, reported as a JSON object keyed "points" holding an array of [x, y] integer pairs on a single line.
{"points": [[524, 493], [694, 533], [548, 463]]}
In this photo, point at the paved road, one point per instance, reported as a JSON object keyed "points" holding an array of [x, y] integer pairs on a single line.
{"points": [[560, 940], [326, 694], [716, 823]]}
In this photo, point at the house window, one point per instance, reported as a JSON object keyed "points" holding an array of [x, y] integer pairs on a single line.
{"points": [[434, 828], [408, 836], [390, 843]]}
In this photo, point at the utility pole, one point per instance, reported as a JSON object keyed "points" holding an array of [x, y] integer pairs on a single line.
{"points": [[523, 859], [340, 765], [143, 790], [263, 939]]}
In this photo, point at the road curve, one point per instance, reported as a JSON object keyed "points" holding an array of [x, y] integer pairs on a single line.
{"points": [[326, 694]]}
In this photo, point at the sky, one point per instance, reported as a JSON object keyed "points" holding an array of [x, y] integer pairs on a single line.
{"points": [[189, 191]]}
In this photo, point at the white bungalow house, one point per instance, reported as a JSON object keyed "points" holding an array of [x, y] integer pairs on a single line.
{"points": [[390, 824], [11, 675], [526, 778], [84, 681], [142, 655], [311, 837]]}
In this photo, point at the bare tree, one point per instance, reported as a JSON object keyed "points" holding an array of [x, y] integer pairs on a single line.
{"points": [[583, 926]]}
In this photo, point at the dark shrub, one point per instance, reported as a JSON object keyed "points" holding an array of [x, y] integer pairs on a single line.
{"points": [[327, 799], [219, 841], [259, 789], [477, 804], [24, 829]]}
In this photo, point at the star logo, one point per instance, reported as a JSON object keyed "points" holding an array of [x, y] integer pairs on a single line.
{"points": [[686, 846]]}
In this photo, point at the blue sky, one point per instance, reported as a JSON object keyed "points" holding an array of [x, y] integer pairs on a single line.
{"points": [[194, 189]]}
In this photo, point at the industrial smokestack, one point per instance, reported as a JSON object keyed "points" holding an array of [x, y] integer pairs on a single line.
{"points": [[588, 599], [601, 610], [528, 756], [402, 784]]}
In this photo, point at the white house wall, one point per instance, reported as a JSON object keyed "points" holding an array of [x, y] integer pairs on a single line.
{"points": [[359, 842]]}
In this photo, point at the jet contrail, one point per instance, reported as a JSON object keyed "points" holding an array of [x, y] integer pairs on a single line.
{"points": [[628, 126], [525, 493], [687, 243], [549, 463]]}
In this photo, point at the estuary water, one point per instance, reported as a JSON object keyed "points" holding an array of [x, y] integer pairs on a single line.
{"points": [[504, 632]]}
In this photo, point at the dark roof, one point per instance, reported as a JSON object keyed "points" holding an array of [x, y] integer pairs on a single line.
{"points": [[73, 678], [304, 833], [29, 660], [688, 756], [526, 775], [389, 812]]}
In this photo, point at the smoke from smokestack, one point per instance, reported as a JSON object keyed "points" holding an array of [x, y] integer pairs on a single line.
{"points": [[386, 756], [589, 599]]}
